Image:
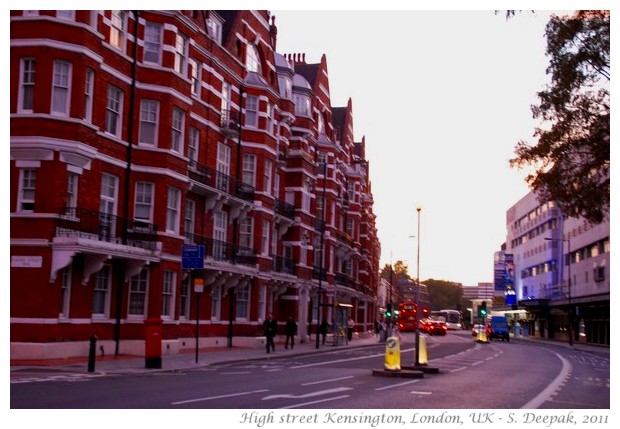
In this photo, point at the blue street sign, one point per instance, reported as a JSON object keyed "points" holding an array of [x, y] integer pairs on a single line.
{"points": [[193, 257]]}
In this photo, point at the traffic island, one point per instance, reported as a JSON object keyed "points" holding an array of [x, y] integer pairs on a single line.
{"points": [[402, 373], [425, 369]]}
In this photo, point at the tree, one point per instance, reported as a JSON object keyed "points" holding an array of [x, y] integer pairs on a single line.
{"points": [[572, 156], [444, 295]]}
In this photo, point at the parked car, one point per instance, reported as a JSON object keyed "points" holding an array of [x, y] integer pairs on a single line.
{"points": [[476, 329], [498, 328]]}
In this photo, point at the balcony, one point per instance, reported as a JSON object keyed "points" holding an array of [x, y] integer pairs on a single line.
{"points": [[218, 182], [223, 251], [345, 280], [319, 273], [83, 223], [281, 264], [284, 208], [230, 123]]}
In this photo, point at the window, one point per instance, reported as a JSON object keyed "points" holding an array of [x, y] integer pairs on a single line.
{"points": [[26, 93], [65, 292], [252, 60], [60, 88], [265, 237], [107, 206], [152, 43], [149, 110], [190, 218], [114, 111], [195, 77], [246, 227], [167, 294], [251, 111], [101, 293], [184, 296], [72, 190], [28, 183], [222, 166], [143, 209], [225, 106], [180, 54], [66, 14], [178, 125], [214, 29], [220, 221], [271, 112], [268, 174], [117, 29], [249, 170], [286, 87], [172, 210], [262, 301], [138, 287], [243, 298], [599, 274], [302, 105], [89, 84], [193, 145], [216, 299]]}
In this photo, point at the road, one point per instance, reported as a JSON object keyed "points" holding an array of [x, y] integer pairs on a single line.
{"points": [[493, 376]]}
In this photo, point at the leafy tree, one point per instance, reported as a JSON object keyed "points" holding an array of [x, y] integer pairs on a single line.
{"points": [[444, 294], [401, 271], [572, 156]]}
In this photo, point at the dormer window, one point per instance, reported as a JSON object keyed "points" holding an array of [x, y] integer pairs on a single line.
{"points": [[214, 29], [252, 60]]}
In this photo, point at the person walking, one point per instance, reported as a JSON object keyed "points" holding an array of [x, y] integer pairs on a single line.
{"points": [[350, 327], [290, 330], [323, 329], [271, 328]]}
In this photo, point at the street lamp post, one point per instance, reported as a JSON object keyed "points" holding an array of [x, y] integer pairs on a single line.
{"points": [[321, 264], [570, 304], [417, 297]]}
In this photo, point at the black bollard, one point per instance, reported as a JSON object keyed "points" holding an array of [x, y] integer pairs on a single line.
{"points": [[91, 353]]}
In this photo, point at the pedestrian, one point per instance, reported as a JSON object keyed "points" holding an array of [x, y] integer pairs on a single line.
{"points": [[350, 327], [323, 329], [377, 328], [271, 328], [291, 331]]}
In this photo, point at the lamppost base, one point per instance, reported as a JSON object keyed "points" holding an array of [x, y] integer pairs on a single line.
{"points": [[421, 368]]}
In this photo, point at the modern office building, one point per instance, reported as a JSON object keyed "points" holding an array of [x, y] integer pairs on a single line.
{"points": [[561, 272], [173, 174]]}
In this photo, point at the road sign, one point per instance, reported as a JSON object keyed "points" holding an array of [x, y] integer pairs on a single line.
{"points": [[193, 257]]}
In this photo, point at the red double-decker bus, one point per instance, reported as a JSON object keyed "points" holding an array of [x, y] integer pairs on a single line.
{"points": [[407, 315]]}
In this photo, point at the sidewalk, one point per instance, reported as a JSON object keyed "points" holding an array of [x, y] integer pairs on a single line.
{"points": [[125, 364]]}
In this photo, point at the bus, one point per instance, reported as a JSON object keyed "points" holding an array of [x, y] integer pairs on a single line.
{"points": [[407, 316], [453, 318]]}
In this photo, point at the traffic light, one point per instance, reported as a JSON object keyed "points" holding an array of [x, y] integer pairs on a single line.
{"points": [[482, 311], [388, 311]]}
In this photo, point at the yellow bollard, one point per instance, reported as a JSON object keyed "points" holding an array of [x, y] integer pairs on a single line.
{"points": [[482, 336], [392, 354], [423, 355]]}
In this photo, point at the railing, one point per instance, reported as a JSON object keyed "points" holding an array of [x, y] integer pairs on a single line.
{"points": [[284, 208], [345, 280], [229, 122], [220, 181], [282, 265], [223, 251], [79, 222], [319, 273]]}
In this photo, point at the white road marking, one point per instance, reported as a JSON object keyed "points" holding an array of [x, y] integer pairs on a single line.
{"points": [[208, 398], [553, 386], [327, 381], [391, 386], [316, 402], [308, 395]]}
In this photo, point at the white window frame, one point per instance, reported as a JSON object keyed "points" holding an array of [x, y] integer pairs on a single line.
{"points": [[193, 145], [223, 166], [216, 303], [149, 121], [214, 29], [143, 201], [178, 130], [262, 302], [248, 175], [65, 291], [27, 190], [242, 302], [225, 106], [266, 230], [195, 76], [268, 175], [246, 232], [26, 85], [190, 218], [251, 111], [103, 281], [72, 189], [181, 43], [152, 43], [168, 292], [89, 87], [118, 27], [68, 15], [173, 206], [114, 111], [185, 298], [138, 291], [61, 88], [252, 59], [220, 231]]}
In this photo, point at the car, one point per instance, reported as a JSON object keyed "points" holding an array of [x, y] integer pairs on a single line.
{"points": [[436, 327], [498, 328], [476, 329]]}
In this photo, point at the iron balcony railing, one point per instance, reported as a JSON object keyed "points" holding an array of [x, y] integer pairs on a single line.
{"points": [[319, 273], [220, 181], [223, 251], [80, 222], [281, 264], [230, 122], [284, 208]]}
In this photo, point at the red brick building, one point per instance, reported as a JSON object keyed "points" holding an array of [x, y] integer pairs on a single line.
{"points": [[153, 152]]}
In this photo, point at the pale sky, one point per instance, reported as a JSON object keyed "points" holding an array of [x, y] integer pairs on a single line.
{"points": [[442, 98]]}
